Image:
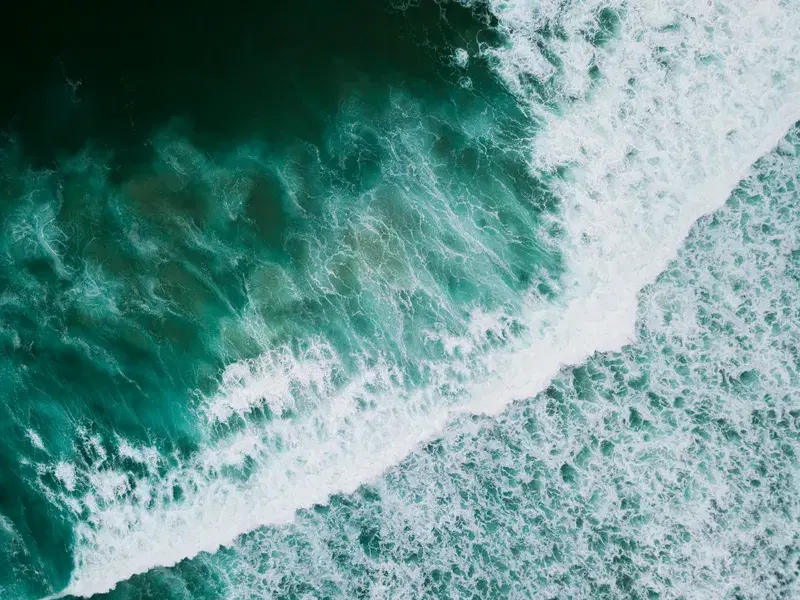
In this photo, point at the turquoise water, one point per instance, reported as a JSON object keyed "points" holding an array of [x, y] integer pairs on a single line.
{"points": [[403, 300]]}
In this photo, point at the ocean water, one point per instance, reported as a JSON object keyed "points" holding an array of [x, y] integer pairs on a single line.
{"points": [[408, 299]]}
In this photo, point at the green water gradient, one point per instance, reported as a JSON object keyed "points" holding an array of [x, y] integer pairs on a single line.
{"points": [[138, 259], [235, 235]]}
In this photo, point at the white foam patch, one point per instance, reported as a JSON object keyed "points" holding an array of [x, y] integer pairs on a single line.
{"points": [[697, 499], [7, 526], [461, 57], [65, 473], [274, 380], [645, 160], [35, 439]]}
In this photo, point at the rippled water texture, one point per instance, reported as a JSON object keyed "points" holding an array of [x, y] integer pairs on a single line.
{"points": [[466, 299]]}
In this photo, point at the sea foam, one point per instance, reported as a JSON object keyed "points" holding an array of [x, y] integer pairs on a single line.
{"points": [[653, 116]]}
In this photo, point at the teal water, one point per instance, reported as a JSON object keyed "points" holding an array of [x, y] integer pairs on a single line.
{"points": [[402, 300]]}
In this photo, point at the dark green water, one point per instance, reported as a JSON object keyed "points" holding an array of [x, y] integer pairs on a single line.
{"points": [[265, 270]]}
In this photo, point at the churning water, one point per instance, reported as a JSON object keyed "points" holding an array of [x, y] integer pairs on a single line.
{"points": [[466, 299]]}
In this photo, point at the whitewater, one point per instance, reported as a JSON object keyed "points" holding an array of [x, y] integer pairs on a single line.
{"points": [[643, 119]]}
